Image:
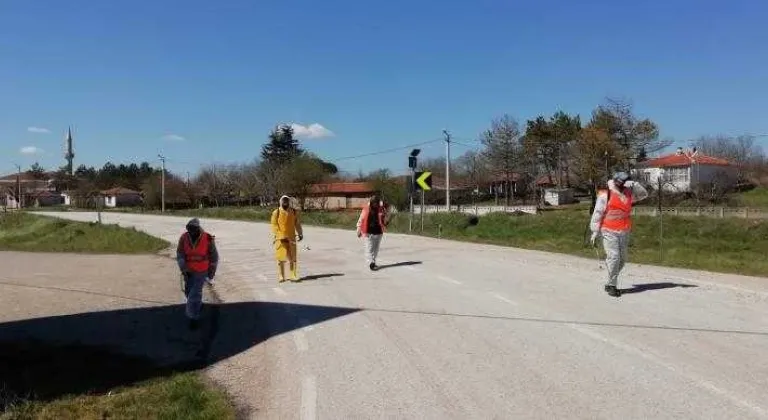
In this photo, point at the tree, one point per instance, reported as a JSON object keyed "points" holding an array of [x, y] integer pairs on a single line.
{"points": [[592, 149], [473, 167], [37, 171], [281, 147], [176, 192], [741, 151], [549, 144], [300, 174], [271, 180], [214, 182], [245, 179], [391, 191], [633, 135], [503, 148]]}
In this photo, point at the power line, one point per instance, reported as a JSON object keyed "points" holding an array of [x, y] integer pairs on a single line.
{"points": [[381, 152]]}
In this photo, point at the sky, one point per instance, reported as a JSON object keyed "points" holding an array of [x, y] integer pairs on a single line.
{"points": [[204, 82]]}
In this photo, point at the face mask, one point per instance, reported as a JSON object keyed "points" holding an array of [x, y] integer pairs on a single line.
{"points": [[285, 206], [193, 231]]}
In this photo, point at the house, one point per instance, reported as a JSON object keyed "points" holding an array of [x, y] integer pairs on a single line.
{"points": [[121, 197], [339, 195], [686, 170], [20, 189], [68, 198], [46, 199]]}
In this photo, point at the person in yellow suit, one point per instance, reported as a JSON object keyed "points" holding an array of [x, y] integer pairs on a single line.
{"points": [[286, 227]]}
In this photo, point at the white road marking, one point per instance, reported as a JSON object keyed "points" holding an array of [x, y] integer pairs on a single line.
{"points": [[280, 291], [309, 398], [448, 280], [503, 299], [300, 339], [701, 383]]}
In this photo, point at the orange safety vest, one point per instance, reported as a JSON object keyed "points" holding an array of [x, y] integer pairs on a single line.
{"points": [[366, 214], [617, 216], [196, 256]]}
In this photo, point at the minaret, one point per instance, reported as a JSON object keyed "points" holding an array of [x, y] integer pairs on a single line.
{"points": [[69, 153]]}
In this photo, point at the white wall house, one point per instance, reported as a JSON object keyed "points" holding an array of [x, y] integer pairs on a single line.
{"points": [[121, 197], [9, 200], [67, 196], [684, 171]]}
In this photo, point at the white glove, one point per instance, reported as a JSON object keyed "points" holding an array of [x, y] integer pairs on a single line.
{"points": [[594, 237]]}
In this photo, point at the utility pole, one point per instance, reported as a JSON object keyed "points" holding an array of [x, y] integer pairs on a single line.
{"points": [[412, 164], [447, 170], [18, 187], [162, 184]]}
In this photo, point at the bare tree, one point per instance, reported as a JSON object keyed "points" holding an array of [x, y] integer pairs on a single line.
{"points": [[214, 182], [503, 148], [244, 179], [636, 137], [741, 151], [322, 191]]}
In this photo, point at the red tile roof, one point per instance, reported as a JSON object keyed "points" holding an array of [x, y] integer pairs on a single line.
{"points": [[119, 191], [683, 159], [24, 176], [342, 188]]}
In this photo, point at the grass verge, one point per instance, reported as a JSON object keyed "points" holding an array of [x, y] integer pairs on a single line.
{"points": [[21, 231], [719, 245], [82, 382]]}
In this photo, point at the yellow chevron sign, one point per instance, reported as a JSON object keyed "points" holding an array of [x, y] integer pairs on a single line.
{"points": [[424, 180]]}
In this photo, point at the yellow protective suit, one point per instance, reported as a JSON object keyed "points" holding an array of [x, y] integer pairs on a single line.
{"points": [[285, 227]]}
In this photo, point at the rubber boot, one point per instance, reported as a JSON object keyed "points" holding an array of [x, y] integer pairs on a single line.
{"points": [[280, 271], [294, 271]]}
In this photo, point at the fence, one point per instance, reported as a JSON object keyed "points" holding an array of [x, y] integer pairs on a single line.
{"points": [[477, 210], [716, 212]]}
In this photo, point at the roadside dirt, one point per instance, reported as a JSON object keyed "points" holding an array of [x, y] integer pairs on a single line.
{"points": [[76, 323]]}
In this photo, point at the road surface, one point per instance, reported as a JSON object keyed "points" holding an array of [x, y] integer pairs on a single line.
{"points": [[463, 331]]}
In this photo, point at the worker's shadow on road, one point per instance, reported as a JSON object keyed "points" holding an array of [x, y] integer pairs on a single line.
{"points": [[46, 358], [398, 264], [646, 287], [312, 277]]}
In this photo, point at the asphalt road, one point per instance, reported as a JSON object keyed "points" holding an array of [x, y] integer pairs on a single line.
{"points": [[466, 331]]}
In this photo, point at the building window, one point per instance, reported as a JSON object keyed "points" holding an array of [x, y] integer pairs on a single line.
{"points": [[676, 175]]}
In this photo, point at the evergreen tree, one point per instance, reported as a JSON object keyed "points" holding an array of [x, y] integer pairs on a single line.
{"points": [[281, 147]]}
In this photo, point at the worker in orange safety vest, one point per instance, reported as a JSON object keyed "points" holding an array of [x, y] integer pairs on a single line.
{"points": [[198, 258], [612, 220], [371, 225]]}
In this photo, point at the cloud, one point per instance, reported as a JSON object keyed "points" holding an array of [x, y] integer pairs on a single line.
{"points": [[38, 130], [312, 131], [30, 150], [173, 137]]}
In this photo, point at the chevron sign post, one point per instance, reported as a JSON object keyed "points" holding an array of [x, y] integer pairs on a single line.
{"points": [[424, 180]]}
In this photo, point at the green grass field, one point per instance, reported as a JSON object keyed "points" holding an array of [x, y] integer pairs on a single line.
{"points": [[28, 232], [720, 245], [183, 396]]}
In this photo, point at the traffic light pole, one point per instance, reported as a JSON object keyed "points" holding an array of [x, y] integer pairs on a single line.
{"points": [[410, 193]]}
